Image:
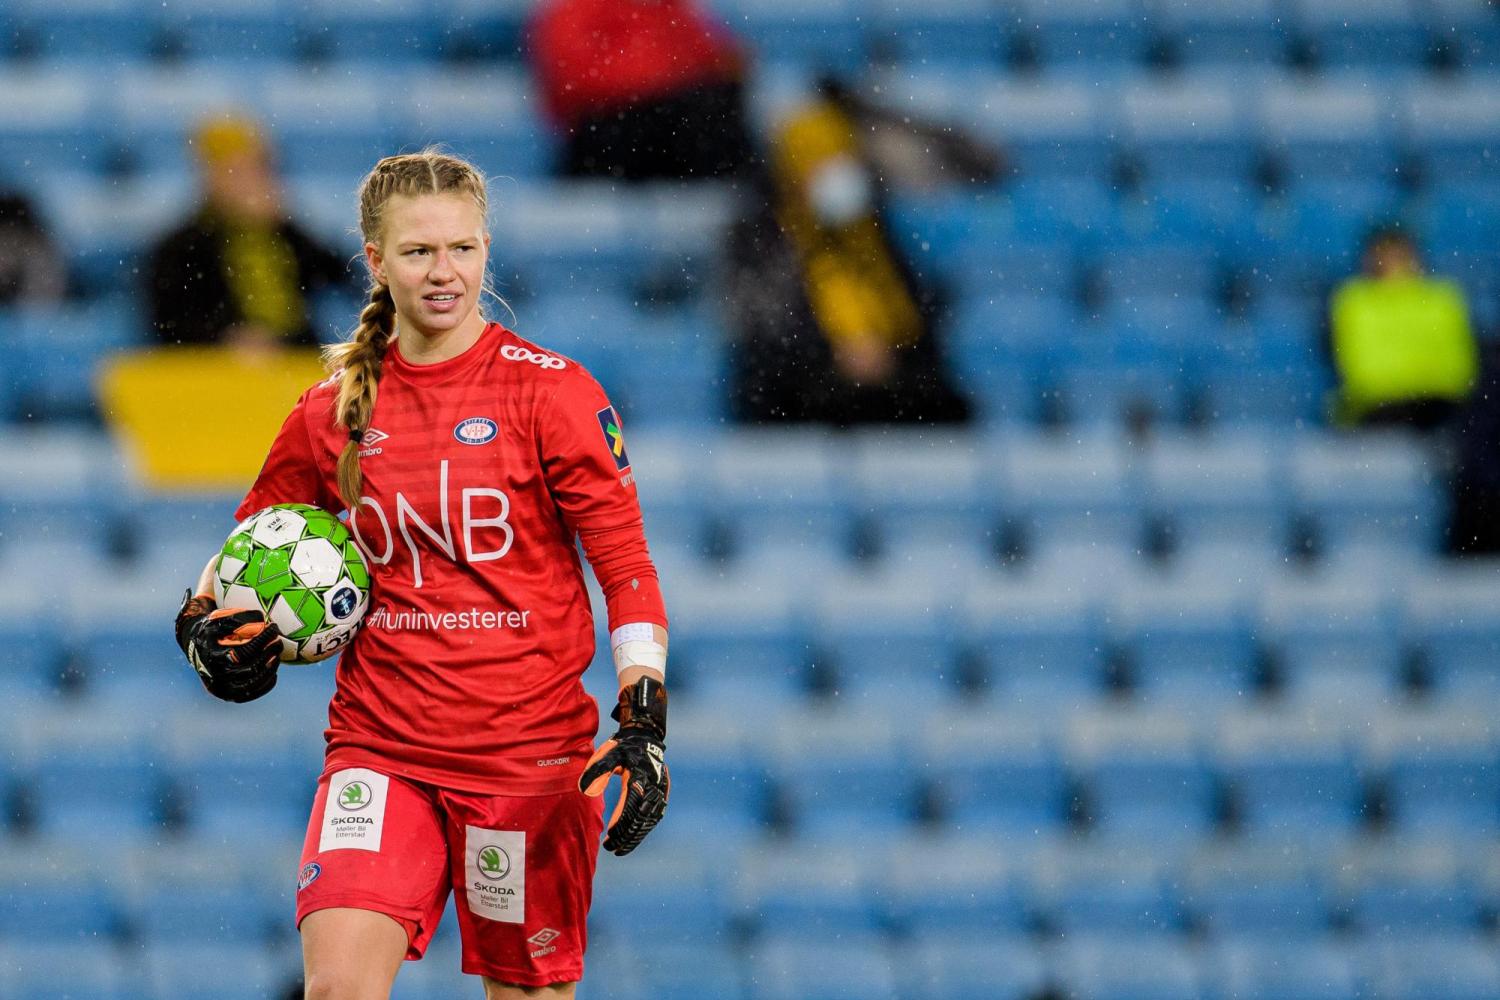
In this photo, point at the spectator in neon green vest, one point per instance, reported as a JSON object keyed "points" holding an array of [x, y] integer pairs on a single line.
{"points": [[1402, 345]]}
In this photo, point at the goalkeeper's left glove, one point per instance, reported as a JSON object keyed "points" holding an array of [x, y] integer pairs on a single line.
{"points": [[635, 752]]}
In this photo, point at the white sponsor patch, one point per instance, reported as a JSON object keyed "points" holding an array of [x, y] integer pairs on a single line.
{"points": [[495, 873], [354, 815]]}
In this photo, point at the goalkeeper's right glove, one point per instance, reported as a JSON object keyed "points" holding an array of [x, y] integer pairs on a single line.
{"points": [[235, 651]]}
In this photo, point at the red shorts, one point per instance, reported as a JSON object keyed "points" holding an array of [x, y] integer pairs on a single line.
{"points": [[522, 866]]}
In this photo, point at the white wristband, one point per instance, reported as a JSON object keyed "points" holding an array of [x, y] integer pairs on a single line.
{"points": [[635, 645]]}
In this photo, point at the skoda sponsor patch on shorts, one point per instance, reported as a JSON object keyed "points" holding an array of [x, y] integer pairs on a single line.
{"points": [[354, 814], [614, 436], [308, 875], [495, 873], [476, 430]]}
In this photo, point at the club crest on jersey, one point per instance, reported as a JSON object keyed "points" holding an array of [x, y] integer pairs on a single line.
{"points": [[476, 430], [614, 436]]}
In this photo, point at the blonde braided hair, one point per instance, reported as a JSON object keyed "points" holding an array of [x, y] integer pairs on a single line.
{"points": [[357, 361]]}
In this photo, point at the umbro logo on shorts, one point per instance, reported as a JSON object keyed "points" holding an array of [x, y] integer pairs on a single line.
{"points": [[513, 352]]}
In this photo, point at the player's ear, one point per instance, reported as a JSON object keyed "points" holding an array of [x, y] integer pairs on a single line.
{"points": [[376, 262]]}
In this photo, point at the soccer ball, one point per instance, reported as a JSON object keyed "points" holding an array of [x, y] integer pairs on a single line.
{"points": [[299, 566]]}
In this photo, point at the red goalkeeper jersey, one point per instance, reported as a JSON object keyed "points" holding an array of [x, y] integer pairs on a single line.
{"points": [[479, 472]]}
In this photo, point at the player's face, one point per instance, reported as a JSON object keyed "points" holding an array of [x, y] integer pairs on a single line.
{"points": [[432, 255]]}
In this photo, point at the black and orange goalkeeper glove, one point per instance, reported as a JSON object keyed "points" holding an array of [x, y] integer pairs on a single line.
{"points": [[635, 753], [235, 651]]}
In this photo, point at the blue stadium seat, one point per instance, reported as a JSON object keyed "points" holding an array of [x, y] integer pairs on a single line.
{"points": [[844, 967], [1290, 775], [888, 638], [1381, 35], [777, 485], [993, 772], [1409, 888], [1289, 970], [1322, 224], [328, 119], [1218, 210], [1189, 643], [1453, 618], [1128, 968], [82, 31], [676, 376], [1328, 129], [1189, 128], [1084, 32], [821, 34], [1252, 893], [53, 970], [670, 894], [951, 886], [1436, 967], [1334, 641], [940, 965], [262, 774], [1469, 27], [1438, 771], [1069, 209], [1218, 32], [1221, 489], [489, 117], [401, 31], [155, 108], [1142, 776], [666, 466], [231, 970], [965, 34], [197, 893], [722, 623], [810, 891], [106, 226], [1039, 644], [91, 768], [840, 769], [720, 787], [1048, 127], [920, 485], [60, 893], [1108, 890], [231, 30], [58, 354], [1073, 489]]}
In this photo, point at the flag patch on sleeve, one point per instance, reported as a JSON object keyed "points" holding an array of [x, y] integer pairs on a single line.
{"points": [[614, 437]]}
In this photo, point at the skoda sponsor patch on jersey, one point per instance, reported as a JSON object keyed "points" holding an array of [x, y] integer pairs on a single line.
{"points": [[614, 436], [476, 430], [495, 873], [354, 815]]}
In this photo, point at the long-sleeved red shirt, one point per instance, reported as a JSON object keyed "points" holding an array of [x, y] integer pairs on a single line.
{"points": [[479, 472], [591, 56]]}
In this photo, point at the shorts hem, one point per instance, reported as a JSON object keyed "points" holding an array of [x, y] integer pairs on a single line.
{"points": [[408, 917], [516, 978]]}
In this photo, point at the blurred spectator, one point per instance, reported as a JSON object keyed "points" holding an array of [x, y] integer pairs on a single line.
{"points": [[31, 268], [832, 324], [644, 89], [238, 271], [1402, 347]]}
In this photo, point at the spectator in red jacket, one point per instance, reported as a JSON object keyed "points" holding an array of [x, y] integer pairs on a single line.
{"points": [[643, 89]]}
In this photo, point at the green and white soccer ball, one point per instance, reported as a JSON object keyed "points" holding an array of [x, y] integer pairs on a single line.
{"points": [[299, 566]]}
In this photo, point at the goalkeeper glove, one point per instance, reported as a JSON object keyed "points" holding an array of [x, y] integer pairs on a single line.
{"points": [[635, 754], [235, 651]]}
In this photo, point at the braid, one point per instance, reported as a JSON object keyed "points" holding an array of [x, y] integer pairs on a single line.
{"points": [[357, 362]]}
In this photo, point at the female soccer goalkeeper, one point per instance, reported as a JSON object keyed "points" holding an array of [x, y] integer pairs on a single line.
{"points": [[460, 735]]}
